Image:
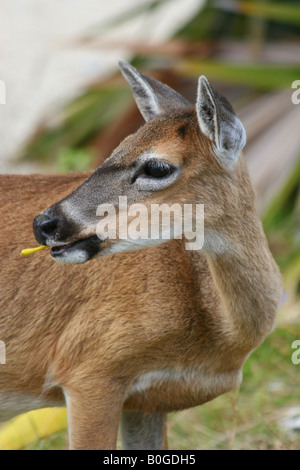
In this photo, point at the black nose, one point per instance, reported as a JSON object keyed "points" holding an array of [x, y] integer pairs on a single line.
{"points": [[44, 227]]}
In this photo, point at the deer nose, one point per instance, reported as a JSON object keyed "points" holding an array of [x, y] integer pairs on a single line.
{"points": [[44, 227]]}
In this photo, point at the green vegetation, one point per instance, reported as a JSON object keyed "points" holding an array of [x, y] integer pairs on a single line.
{"points": [[282, 226], [258, 76]]}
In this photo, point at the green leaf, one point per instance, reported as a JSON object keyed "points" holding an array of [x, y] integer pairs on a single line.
{"points": [[264, 77]]}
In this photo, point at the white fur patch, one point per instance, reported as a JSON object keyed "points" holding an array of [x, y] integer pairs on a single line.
{"points": [[75, 256], [192, 375], [123, 246]]}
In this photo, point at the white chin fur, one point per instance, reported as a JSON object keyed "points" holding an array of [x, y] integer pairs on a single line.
{"points": [[129, 245], [73, 257]]}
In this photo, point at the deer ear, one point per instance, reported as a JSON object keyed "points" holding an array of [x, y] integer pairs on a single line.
{"points": [[151, 96], [218, 121]]}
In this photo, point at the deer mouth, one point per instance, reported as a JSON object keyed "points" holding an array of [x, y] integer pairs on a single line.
{"points": [[76, 252]]}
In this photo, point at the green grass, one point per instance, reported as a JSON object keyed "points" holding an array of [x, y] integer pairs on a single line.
{"points": [[246, 418], [58, 441]]}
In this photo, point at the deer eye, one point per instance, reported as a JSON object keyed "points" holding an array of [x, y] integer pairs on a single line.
{"points": [[155, 174], [157, 169]]}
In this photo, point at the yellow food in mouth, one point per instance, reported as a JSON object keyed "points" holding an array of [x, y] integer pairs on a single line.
{"points": [[28, 251]]}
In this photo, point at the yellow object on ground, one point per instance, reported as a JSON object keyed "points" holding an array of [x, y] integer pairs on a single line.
{"points": [[30, 427], [28, 251]]}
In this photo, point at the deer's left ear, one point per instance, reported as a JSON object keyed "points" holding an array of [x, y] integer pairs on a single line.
{"points": [[219, 123]]}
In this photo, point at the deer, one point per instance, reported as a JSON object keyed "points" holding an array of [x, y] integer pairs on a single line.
{"points": [[123, 332]]}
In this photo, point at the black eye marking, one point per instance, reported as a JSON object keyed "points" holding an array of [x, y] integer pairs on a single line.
{"points": [[154, 169]]}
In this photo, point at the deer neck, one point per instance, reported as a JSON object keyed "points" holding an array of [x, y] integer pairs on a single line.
{"points": [[244, 273]]}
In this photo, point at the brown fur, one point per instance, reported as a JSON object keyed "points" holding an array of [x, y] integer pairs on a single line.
{"points": [[93, 329]]}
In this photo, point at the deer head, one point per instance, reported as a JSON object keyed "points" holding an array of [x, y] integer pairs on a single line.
{"points": [[182, 154]]}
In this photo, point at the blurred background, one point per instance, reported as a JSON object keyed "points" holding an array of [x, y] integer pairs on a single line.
{"points": [[67, 107]]}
